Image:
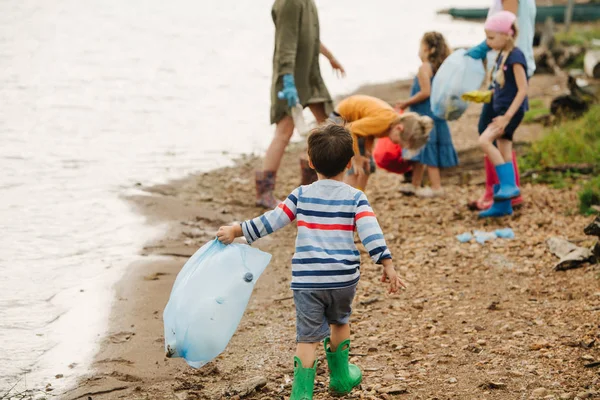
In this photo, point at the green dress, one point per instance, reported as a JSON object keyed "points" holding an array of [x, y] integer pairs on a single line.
{"points": [[297, 49]]}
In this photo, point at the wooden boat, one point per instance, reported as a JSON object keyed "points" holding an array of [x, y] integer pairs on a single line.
{"points": [[581, 13]]}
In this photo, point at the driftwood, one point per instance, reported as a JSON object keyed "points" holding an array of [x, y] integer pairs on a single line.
{"points": [[591, 63], [566, 54], [557, 57], [593, 229], [596, 251], [574, 104], [571, 256], [553, 56], [543, 54], [547, 36], [544, 59]]}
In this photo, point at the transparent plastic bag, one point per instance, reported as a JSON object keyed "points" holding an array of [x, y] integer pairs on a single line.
{"points": [[209, 298], [457, 75], [299, 121]]}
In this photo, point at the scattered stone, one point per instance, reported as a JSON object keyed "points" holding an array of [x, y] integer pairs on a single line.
{"points": [[473, 348], [245, 388], [369, 301], [518, 334], [389, 377], [154, 277], [492, 385], [396, 389], [539, 345], [458, 283], [59, 376], [539, 393]]}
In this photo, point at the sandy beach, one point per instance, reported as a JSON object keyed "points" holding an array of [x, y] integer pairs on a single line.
{"points": [[491, 321]]}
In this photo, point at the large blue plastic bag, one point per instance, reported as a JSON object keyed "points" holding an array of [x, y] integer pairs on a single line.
{"points": [[209, 298], [457, 75]]}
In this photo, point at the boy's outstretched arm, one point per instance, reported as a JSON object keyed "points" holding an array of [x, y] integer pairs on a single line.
{"points": [[372, 238], [264, 225]]}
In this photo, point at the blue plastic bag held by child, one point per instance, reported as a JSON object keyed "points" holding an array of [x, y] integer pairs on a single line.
{"points": [[458, 74], [209, 298]]}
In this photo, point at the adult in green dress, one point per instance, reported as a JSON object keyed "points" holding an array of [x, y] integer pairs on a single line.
{"points": [[296, 80]]}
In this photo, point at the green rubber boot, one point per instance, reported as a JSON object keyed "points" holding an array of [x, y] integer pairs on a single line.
{"points": [[343, 376], [304, 381]]}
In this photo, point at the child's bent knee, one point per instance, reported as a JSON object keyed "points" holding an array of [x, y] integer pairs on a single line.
{"points": [[484, 141]]}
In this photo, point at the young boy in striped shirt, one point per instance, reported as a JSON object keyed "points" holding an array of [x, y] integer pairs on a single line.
{"points": [[326, 264]]}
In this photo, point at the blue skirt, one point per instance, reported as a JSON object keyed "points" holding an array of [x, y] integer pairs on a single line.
{"points": [[439, 151]]}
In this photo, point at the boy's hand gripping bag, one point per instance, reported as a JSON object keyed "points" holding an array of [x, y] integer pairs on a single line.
{"points": [[457, 75], [209, 298]]}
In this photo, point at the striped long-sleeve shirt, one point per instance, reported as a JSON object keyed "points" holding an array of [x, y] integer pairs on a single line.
{"points": [[327, 213]]}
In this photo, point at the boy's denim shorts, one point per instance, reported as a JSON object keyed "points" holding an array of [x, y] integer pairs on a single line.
{"points": [[317, 309]]}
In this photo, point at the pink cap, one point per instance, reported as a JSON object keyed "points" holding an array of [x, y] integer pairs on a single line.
{"points": [[501, 22]]}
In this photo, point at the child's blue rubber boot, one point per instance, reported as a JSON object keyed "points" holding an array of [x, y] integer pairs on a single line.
{"points": [[500, 208], [508, 187]]}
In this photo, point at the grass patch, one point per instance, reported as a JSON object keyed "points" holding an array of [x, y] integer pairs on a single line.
{"points": [[577, 63], [572, 142], [536, 103], [579, 35], [536, 109], [590, 196]]}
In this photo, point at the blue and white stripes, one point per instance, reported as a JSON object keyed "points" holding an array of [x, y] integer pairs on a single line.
{"points": [[328, 213]]}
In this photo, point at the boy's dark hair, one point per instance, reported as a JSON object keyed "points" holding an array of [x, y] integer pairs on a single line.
{"points": [[330, 149]]}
